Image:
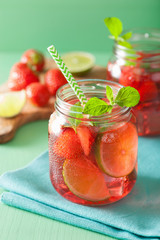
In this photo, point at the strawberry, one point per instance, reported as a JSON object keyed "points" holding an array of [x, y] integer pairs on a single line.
{"points": [[34, 59], [54, 79], [87, 137], [139, 79], [20, 77], [148, 91], [38, 94], [130, 76], [68, 144]]}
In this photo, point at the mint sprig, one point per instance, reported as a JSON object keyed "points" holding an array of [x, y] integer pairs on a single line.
{"points": [[115, 27], [126, 97], [96, 107]]}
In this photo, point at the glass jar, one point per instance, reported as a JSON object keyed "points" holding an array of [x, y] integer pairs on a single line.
{"points": [[95, 162], [139, 67]]}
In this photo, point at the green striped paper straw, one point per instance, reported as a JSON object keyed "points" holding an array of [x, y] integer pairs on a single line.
{"points": [[72, 82]]}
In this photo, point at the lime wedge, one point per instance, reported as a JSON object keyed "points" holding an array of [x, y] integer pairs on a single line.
{"points": [[84, 179], [11, 103], [116, 150], [79, 62]]}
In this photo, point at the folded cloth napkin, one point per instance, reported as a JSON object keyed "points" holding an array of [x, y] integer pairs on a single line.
{"points": [[137, 216]]}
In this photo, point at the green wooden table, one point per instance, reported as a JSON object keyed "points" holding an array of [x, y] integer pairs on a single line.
{"points": [[29, 142]]}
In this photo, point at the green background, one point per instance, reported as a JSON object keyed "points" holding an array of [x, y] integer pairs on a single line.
{"points": [[70, 25]]}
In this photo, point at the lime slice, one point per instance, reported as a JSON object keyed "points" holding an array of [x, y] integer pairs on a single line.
{"points": [[11, 103], [79, 62], [116, 150], [84, 179]]}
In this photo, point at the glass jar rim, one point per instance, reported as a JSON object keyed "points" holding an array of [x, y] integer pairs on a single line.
{"points": [[145, 34], [64, 107], [145, 42]]}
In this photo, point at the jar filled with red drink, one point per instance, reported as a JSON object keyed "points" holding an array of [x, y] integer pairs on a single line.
{"points": [[139, 67], [93, 161]]}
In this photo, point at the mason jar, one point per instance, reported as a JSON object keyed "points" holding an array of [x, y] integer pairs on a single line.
{"points": [[139, 67], [93, 161]]}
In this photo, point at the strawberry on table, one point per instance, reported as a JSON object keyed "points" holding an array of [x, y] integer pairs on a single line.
{"points": [[20, 77], [38, 94], [34, 59], [54, 79]]}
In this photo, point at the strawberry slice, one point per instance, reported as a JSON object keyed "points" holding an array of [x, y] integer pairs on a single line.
{"points": [[87, 136], [148, 91], [68, 144]]}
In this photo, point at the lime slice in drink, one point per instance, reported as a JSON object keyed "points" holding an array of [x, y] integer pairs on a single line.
{"points": [[84, 179], [78, 62], [116, 150], [11, 103]]}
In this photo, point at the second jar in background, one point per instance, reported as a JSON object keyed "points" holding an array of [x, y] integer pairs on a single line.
{"points": [[139, 67]]}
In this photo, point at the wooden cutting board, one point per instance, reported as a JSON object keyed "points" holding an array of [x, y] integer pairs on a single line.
{"points": [[30, 113]]}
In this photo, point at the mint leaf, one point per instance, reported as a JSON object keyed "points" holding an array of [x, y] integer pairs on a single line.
{"points": [[114, 25], [128, 97], [110, 107], [125, 44], [127, 36], [75, 112], [96, 107], [109, 94]]}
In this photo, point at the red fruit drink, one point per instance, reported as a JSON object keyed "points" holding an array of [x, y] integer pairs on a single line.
{"points": [[93, 161], [140, 68]]}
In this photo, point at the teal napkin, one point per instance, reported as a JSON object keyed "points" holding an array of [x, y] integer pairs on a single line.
{"points": [[135, 217]]}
